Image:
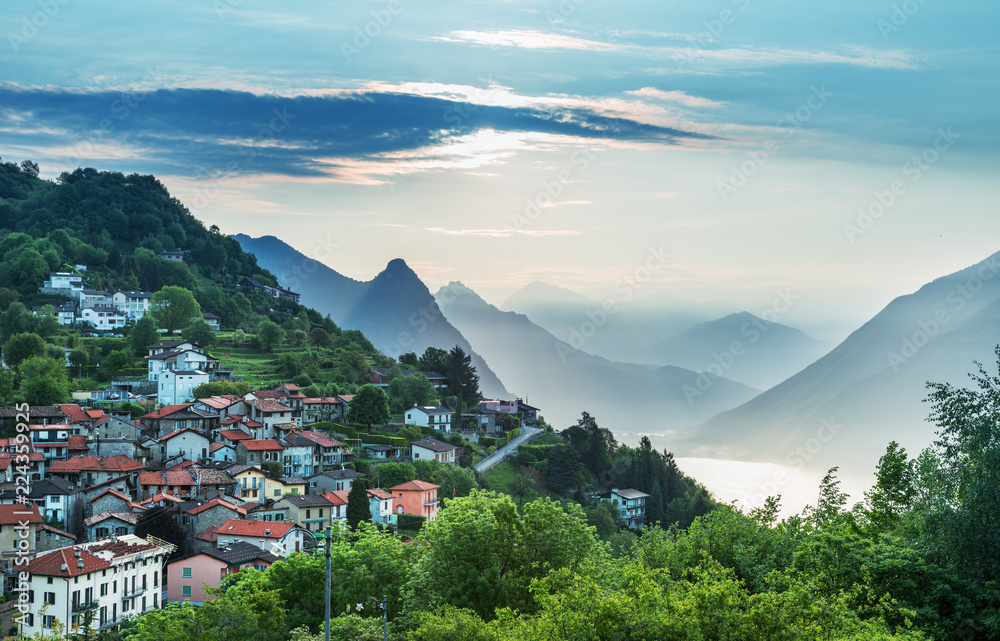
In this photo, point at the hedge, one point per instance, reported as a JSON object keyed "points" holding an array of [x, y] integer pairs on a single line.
{"points": [[409, 521], [487, 441], [378, 439], [427, 431], [322, 426]]}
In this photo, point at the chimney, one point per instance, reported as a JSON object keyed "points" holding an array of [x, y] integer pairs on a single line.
{"points": [[76, 552], [64, 567], [267, 532], [79, 564]]}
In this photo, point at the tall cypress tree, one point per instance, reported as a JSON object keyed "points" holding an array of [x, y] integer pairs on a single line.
{"points": [[358, 508]]}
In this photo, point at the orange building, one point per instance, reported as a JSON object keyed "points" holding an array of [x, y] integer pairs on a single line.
{"points": [[416, 497]]}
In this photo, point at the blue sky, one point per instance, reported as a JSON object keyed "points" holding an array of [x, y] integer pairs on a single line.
{"points": [[503, 142]]}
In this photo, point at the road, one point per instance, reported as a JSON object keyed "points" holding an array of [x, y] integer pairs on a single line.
{"points": [[527, 433]]}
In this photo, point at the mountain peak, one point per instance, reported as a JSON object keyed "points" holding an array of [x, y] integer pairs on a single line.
{"points": [[397, 265]]}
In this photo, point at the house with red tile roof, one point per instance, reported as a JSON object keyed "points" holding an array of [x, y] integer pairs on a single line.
{"points": [[187, 576], [9, 466], [380, 504], [223, 405], [271, 536], [11, 534], [113, 578], [186, 444], [174, 417], [105, 524], [322, 408], [256, 452], [416, 497], [90, 470], [222, 452], [270, 412], [328, 451]]}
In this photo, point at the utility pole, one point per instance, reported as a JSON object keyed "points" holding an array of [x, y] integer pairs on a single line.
{"points": [[328, 541]]}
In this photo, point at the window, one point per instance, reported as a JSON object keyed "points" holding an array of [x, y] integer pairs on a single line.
{"points": [[48, 621], [186, 573], [185, 590], [50, 598], [104, 589]]}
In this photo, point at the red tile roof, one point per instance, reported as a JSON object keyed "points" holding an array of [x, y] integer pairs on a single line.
{"points": [[175, 478], [208, 534], [77, 464], [220, 402], [235, 435], [266, 444], [118, 547], [235, 527], [51, 564], [271, 405], [168, 410], [414, 486], [74, 413], [337, 498], [110, 491], [378, 493], [14, 514], [261, 394], [78, 443], [217, 503], [322, 400], [320, 439]]}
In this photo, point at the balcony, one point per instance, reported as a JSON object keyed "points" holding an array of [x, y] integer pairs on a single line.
{"points": [[83, 606], [138, 591]]}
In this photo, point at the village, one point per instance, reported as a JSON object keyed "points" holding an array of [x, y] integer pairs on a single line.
{"points": [[86, 488]]}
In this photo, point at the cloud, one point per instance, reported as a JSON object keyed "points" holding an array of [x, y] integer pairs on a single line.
{"points": [[360, 136], [502, 233], [675, 96], [730, 57]]}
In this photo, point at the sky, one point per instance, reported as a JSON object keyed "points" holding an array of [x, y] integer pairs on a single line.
{"points": [[844, 153]]}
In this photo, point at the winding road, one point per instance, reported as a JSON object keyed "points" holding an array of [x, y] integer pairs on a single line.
{"points": [[527, 433]]}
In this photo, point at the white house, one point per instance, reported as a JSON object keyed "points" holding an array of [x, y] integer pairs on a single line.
{"points": [[112, 578], [187, 443], [133, 304], [93, 297], [102, 317], [175, 387], [429, 449], [65, 280], [222, 452], [212, 320], [176, 359], [380, 503], [632, 504], [429, 416]]}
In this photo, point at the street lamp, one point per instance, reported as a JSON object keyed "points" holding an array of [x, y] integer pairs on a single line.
{"points": [[329, 540], [385, 613]]}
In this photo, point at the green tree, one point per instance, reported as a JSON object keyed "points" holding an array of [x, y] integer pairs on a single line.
{"points": [[370, 406], [354, 367], [482, 555], [407, 391], [21, 347], [143, 333], [319, 337], [44, 381], [174, 308], [200, 333], [463, 381], [434, 359], [117, 361], [358, 507], [15, 320], [269, 335], [392, 474]]}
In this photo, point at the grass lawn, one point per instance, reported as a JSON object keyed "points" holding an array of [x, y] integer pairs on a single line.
{"points": [[547, 439], [501, 476]]}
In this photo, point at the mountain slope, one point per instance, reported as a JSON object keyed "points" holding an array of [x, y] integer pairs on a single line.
{"points": [[622, 335], [395, 310], [743, 348], [563, 382], [845, 408]]}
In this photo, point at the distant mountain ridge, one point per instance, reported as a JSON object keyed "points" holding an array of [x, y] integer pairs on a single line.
{"points": [[395, 310], [742, 347], [564, 381], [846, 407]]}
